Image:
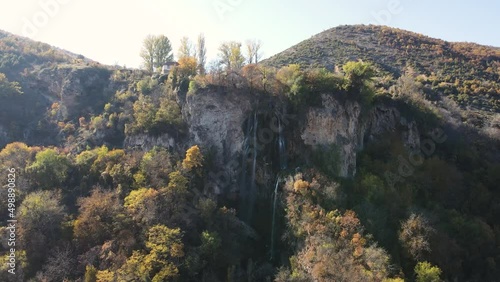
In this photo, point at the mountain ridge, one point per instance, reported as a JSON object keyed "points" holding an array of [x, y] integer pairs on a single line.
{"points": [[467, 73], [344, 32], [22, 39]]}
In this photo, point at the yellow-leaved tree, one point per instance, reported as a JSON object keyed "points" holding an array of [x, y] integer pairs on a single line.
{"points": [[193, 159], [141, 204], [161, 262], [188, 66]]}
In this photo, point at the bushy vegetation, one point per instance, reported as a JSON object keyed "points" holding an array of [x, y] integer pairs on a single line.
{"points": [[18, 53], [118, 228], [467, 73], [115, 213], [330, 245], [421, 211], [8, 88], [154, 117]]}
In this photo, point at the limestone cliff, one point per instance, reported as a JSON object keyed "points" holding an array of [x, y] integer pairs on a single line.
{"points": [[78, 90], [341, 124], [216, 121]]}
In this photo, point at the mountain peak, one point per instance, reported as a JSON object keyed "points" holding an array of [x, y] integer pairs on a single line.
{"points": [[392, 49], [466, 72]]}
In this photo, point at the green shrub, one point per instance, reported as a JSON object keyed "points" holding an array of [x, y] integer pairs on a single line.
{"points": [[427, 273], [293, 78], [193, 87], [146, 85]]}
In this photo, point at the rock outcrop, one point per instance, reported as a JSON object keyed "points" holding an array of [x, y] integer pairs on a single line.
{"points": [[147, 142], [341, 124], [77, 89], [216, 121]]}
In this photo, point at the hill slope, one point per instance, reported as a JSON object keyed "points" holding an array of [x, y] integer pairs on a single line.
{"points": [[468, 73], [48, 78], [19, 53]]}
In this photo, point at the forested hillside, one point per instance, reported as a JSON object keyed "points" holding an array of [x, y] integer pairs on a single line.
{"points": [[349, 157]]}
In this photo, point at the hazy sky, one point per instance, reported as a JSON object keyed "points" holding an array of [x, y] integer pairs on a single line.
{"points": [[111, 31]]}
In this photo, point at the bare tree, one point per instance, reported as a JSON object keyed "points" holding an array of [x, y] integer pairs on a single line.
{"points": [[253, 51], [147, 52], [186, 49], [60, 265], [230, 55], [202, 54]]}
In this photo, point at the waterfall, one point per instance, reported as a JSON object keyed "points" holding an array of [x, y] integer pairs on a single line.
{"points": [[243, 190], [253, 191], [248, 184], [283, 166], [281, 146], [255, 124], [273, 228]]}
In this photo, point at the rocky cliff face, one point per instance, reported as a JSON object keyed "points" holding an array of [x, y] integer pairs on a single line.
{"points": [[78, 90], [340, 123], [216, 121], [147, 142]]}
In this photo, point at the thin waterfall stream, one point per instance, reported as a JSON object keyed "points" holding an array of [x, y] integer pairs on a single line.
{"points": [[283, 166], [273, 229], [253, 191]]}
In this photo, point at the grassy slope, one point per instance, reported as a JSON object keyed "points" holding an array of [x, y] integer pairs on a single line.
{"points": [[468, 73]]}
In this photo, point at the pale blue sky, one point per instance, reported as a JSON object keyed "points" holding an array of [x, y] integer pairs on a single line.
{"points": [[111, 31]]}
